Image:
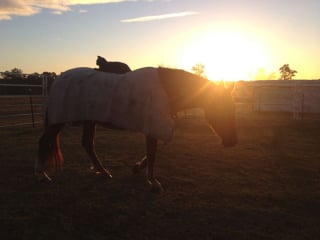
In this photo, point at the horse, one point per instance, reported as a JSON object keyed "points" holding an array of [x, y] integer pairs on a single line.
{"points": [[165, 92], [112, 67]]}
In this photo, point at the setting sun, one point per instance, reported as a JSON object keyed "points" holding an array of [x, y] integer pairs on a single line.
{"points": [[226, 54]]}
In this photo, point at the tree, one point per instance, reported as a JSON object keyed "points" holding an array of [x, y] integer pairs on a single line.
{"points": [[34, 76], [4, 74], [15, 73], [198, 69], [49, 75], [286, 73]]}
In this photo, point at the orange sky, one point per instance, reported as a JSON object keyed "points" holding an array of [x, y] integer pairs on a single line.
{"points": [[243, 39]]}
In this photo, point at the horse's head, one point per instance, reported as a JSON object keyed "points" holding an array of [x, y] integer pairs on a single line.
{"points": [[220, 114]]}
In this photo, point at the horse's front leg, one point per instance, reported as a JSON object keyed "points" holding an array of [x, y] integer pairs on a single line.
{"points": [[151, 147], [88, 144]]}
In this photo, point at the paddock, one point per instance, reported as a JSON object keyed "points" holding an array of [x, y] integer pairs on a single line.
{"points": [[267, 187]]}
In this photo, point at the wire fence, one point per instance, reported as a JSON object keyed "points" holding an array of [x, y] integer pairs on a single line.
{"points": [[22, 110], [23, 104]]}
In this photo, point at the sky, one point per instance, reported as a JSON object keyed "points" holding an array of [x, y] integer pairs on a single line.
{"points": [[233, 39]]}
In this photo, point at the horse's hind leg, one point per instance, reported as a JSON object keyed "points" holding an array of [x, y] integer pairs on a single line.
{"points": [[88, 144]]}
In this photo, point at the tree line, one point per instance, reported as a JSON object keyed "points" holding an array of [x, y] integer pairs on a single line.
{"points": [[286, 73], [11, 80], [17, 74]]}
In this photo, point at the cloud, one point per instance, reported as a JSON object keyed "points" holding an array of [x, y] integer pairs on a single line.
{"points": [[158, 17], [9, 8], [83, 11]]}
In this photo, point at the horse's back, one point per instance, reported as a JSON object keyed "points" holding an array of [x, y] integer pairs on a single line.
{"points": [[79, 93], [83, 74], [135, 100]]}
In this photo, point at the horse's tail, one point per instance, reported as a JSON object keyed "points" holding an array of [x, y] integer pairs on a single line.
{"points": [[50, 157]]}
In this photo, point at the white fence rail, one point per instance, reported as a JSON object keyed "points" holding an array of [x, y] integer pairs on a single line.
{"points": [[9, 86], [299, 97]]}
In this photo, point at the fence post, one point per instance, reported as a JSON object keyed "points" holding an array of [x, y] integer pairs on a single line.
{"points": [[302, 107], [44, 85], [32, 113]]}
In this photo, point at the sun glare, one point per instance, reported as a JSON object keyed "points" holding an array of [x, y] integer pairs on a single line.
{"points": [[227, 55]]}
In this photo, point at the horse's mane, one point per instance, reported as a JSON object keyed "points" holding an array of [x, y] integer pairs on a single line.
{"points": [[175, 73], [182, 79], [182, 86]]}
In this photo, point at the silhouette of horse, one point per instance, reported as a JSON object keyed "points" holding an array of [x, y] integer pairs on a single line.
{"points": [[142, 100], [112, 67]]}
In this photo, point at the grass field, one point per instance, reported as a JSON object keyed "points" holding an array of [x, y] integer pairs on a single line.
{"points": [[267, 187]]}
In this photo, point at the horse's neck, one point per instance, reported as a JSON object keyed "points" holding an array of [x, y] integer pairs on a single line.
{"points": [[185, 90]]}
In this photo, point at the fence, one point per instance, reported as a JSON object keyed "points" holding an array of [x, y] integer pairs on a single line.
{"points": [[17, 110], [299, 97], [21, 110]]}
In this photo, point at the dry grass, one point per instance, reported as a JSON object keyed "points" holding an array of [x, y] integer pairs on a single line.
{"points": [[267, 187]]}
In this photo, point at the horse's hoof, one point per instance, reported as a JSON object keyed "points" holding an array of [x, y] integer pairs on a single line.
{"points": [[42, 176], [155, 186], [107, 174], [93, 169], [104, 172]]}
